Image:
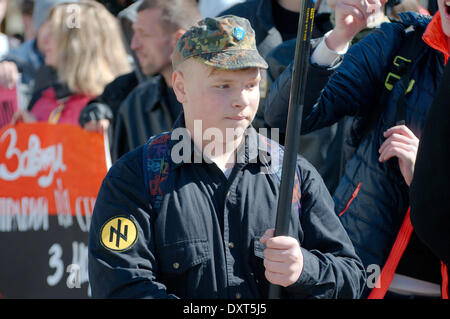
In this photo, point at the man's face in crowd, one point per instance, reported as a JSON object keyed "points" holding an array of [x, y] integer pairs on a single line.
{"points": [[219, 98], [151, 42]]}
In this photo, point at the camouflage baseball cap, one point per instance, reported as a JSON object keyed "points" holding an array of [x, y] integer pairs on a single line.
{"points": [[226, 42]]}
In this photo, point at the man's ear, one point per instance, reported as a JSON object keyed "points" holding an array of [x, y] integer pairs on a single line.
{"points": [[178, 86]]}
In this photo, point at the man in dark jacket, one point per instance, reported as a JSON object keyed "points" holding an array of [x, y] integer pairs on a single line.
{"points": [[430, 188], [170, 224], [158, 26], [151, 108], [372, 197]]}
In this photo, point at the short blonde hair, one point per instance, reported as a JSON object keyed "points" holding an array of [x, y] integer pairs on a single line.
{"points": [[90, 45]]}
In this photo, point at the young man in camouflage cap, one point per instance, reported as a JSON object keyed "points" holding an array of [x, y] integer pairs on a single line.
{"points": [[191, 213]]}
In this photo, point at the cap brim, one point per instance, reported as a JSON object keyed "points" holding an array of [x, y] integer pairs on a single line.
{"points": [[233, 60]]}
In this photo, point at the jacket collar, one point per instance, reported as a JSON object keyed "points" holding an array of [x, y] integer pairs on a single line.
{"points": [[256, 149], [155, 85], [414, 19], [434, 36]]}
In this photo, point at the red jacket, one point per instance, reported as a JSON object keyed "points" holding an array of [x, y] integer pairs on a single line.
{"points": [[70, 111]]}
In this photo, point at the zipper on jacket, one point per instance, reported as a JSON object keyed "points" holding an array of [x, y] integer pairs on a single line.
{"points": [[355, 193]]}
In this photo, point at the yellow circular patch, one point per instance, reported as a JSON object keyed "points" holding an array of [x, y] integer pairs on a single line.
{"points": [[118, 234]]}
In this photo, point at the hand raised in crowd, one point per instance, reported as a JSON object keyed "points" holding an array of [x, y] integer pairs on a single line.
{"points": [[8, 74], [24, 116], [100, 126], [283, 259], [352, 16], [403, 144]]}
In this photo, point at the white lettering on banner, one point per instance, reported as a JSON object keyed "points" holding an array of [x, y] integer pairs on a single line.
{"points": [[33, 160], [77, 270], [55, 261], [30, 213], [27, 213], [62, 203], [84, 206]]}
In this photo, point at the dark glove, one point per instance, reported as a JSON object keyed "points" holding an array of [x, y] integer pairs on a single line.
{"points": [[94, 112]]}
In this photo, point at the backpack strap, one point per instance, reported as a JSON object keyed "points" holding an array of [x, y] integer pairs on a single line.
{"points": [[388, 271], [403, 61], [156, 166], [444, 286], [277, 150], [400, 70]]}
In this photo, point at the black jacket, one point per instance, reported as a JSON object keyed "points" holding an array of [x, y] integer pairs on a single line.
{"points": [[115, 93], [200, 238], [147, 111], [430, 188], [107, 105]]}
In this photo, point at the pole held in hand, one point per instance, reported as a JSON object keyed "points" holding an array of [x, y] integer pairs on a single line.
{"points": [[293, 128]]}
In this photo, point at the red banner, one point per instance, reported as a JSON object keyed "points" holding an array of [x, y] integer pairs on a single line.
{"points": [[49, 179]]}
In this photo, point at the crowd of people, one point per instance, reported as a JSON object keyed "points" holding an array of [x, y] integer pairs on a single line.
{"points": [[135, 70]]}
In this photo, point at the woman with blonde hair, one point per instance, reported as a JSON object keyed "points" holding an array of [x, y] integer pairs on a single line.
{"points": [[83, 47]]}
